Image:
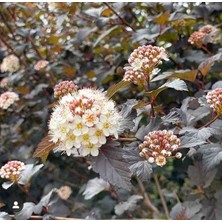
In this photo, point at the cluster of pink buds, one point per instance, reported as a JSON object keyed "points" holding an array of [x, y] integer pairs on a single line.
{"points": [[78, 107], [4, 82], [41, 65], [207, 29], [158, 146], [197, 38], [12, 170], [137, 77], [214, 98], [142, 62], [64, 88]]}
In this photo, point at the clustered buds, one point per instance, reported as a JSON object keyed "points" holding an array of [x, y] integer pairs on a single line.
{"points": [[64, 88], [142, 62], [4, 82], [41, 65], [137, 77], [158, 146], [197, 38], [7, 99], [178, 23], [214, 98], [12, 170], [10, 64], [78, 107], [208, 29]]}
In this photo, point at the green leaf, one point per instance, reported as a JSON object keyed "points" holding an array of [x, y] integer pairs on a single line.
{"points": [[189, 75], [114, 88], [176, 84]]}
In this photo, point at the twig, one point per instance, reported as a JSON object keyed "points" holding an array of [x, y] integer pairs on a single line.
{"points": [[146, 197], [206, 50], [36, 217], [161, 196], [35, 48], [129, 139], [211, 121], [7, 25], [12, 50], [152, 112], [121, 19]]}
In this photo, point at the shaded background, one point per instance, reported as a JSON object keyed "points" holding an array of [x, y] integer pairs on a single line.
{"points": [[89, 43]]}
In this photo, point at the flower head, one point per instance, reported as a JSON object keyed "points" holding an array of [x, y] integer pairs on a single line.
{"points": [[7, 99], [82, 120], [197, 38], [64, 88], [4, 82], [64, 192], [12, 170], [158, 146], [10, 64], [208, 29], [214, 98], [142, 62], [41, 65]]}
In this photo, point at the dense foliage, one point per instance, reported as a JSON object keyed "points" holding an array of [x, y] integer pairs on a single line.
{"points": [[153, 153]]}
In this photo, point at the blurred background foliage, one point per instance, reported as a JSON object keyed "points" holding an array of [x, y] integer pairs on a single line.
{"points": [[89, 43]]}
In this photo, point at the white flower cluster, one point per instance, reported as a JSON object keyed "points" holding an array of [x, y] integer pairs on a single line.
{"points": [[7, 99], [10, 64], [82, 120]]}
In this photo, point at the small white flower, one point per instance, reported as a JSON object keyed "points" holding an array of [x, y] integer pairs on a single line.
{"points": [[90, 119], [98, 136], [137, 64], [90, 148]]}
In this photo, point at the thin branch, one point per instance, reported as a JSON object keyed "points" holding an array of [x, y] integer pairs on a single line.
{"points": [[146, 197], [211, 121], [152, 112], [36, 217], [129, 139], [12, 50], [206, 50], [161, 196], [121, 19], [35, 48], [7, 25]]}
